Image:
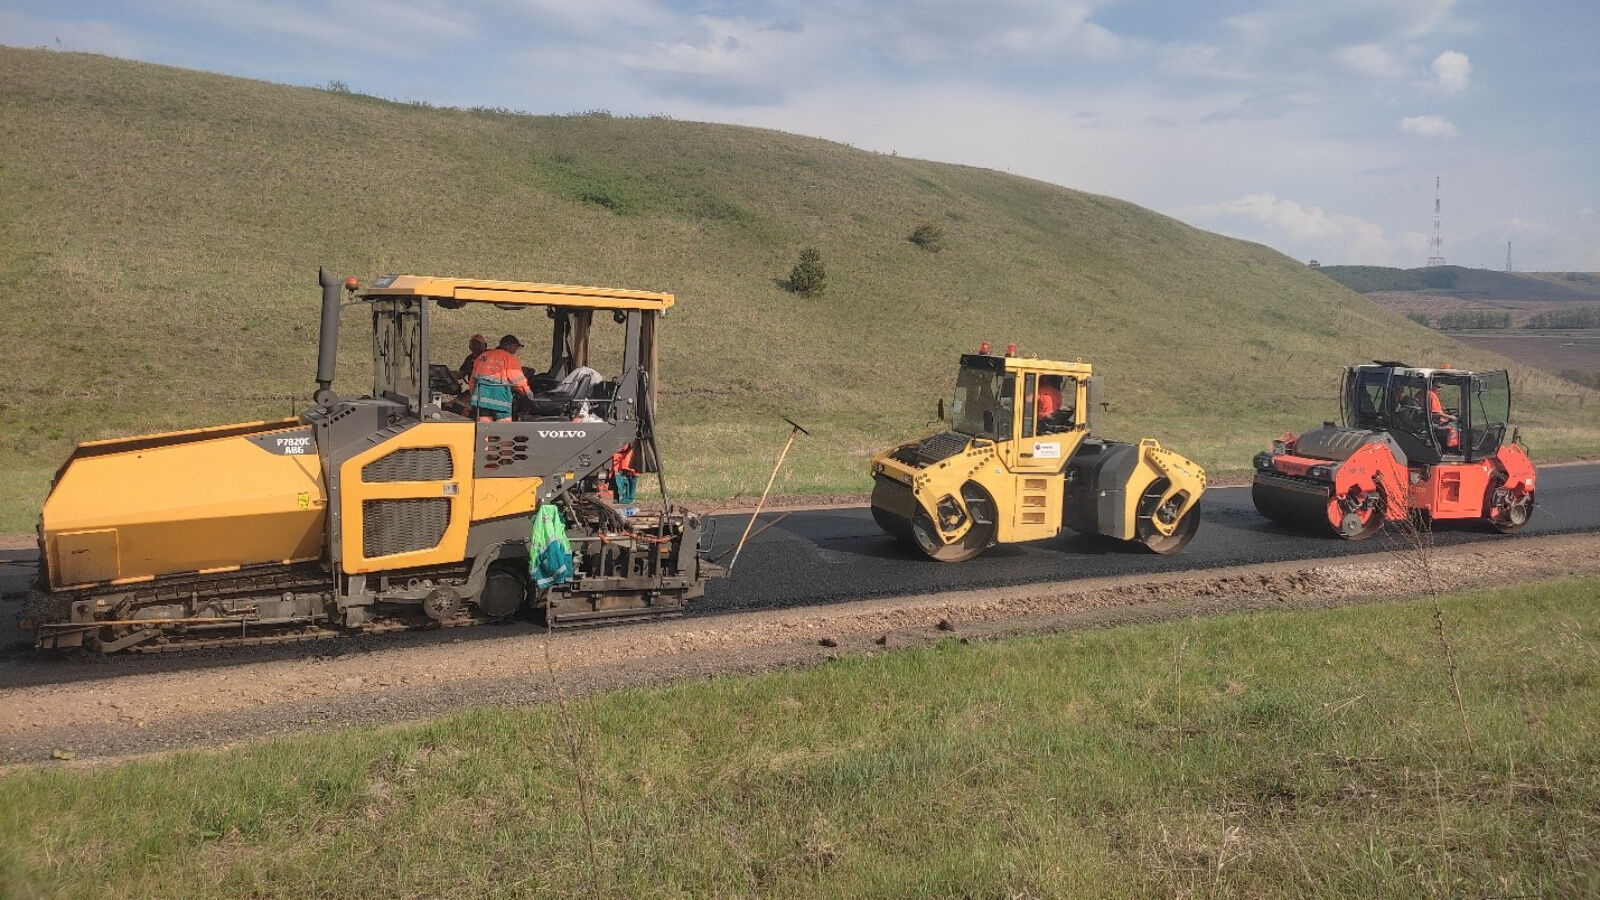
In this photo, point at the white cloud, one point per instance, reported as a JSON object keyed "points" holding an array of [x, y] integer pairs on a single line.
{"points": [[385, 27], [1452, 72], [1414, 246], [1314, 22], [1293, 219], [1010, 32], [1517, 226], [597, 21], [1315, 45], [767, 52], [729, 62], [1429, 126], [1300, 229], [1369, 59]]}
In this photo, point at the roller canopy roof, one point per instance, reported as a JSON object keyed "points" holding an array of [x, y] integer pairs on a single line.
{"points": [[512, 293], [1424, 371]]}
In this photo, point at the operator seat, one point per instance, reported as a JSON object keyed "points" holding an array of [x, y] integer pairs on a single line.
{"points": [[559, 400]]}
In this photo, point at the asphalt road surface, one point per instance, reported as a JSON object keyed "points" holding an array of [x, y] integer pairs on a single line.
{"points": [[824, 556]]}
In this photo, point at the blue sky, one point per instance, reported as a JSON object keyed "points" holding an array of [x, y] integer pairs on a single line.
{"points": [[1313, 126]]}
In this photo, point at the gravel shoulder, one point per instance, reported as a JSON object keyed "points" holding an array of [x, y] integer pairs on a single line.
{"points": [[119, 706]]}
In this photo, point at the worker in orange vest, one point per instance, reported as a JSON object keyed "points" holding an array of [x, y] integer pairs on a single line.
{"points": [[624, 475], [1053, 414], [496, 374], [1049, 396], [1443, 422]]}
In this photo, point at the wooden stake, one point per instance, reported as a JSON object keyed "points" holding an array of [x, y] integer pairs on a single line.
{"points": [[795, 431]]}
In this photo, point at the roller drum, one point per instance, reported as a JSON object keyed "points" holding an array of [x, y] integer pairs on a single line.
{"points": [[893, 506], [1297, 502]]}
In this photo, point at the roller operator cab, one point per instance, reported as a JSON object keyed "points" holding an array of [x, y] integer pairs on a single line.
{"points": [[386, 509], [1020, 459], [1411, 440]]}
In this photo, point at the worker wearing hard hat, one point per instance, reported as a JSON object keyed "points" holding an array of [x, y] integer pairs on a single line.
{"points": [[496, 374]]}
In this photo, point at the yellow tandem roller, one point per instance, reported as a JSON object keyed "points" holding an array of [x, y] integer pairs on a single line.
{"points": [[1019, 461]]}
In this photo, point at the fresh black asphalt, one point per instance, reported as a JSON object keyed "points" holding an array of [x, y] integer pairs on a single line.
{"points": [[825, 556]]}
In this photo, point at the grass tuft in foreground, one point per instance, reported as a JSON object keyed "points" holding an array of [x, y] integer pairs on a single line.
{"points": [[1297, 754]]}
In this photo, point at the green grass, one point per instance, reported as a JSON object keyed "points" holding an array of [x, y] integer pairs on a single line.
{"points": [[1280, 754], [22, 491], [160, 231]]}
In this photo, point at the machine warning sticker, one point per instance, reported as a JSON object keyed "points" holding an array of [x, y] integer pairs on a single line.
{"points": [[1043, 450], [298, 442], [304, 499]]}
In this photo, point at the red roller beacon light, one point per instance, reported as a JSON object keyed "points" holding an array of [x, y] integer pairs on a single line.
{"points": [[1435, 441]]}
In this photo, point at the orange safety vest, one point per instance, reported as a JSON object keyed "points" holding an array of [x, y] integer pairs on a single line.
{"points": [[503, 366], [622, 461], [1049, 401]]}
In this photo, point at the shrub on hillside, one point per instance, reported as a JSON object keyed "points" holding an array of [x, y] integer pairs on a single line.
{"points": [[1565, 318], [603, 197], [1419, 318], [1473, 318], [928, 237], [808, 277]]}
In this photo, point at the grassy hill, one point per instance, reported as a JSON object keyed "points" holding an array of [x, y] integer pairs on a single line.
{"points": [[1459, 281], [160, 231]]}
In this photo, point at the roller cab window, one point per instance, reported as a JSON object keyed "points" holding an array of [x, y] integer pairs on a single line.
{"points": [[1491, 398], [1408, 398], [1488, 412], [984, 398], [1366, 398]]}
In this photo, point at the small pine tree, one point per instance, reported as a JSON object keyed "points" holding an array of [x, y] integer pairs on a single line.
{"points": [[928, 237], [808, 277]]}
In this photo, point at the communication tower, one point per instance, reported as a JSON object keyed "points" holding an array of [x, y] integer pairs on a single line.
{"points": [[1436, 240], [1508, 256]]}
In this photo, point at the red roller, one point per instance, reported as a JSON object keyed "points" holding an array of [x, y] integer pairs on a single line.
{"points": [[1428, 440]]}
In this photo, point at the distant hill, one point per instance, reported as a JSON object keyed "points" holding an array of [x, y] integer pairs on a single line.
{"points": [[1472, 284], [160, 231]]}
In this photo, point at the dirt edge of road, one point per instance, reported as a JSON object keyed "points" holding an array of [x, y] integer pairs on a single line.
{"points": [[100, 708]]}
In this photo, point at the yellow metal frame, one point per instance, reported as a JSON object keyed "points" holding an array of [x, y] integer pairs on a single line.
{"points": [[519, 293], [460, 439], [202, 500]]}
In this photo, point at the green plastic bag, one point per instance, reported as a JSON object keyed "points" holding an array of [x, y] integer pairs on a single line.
{"points": [[549, 551]]}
